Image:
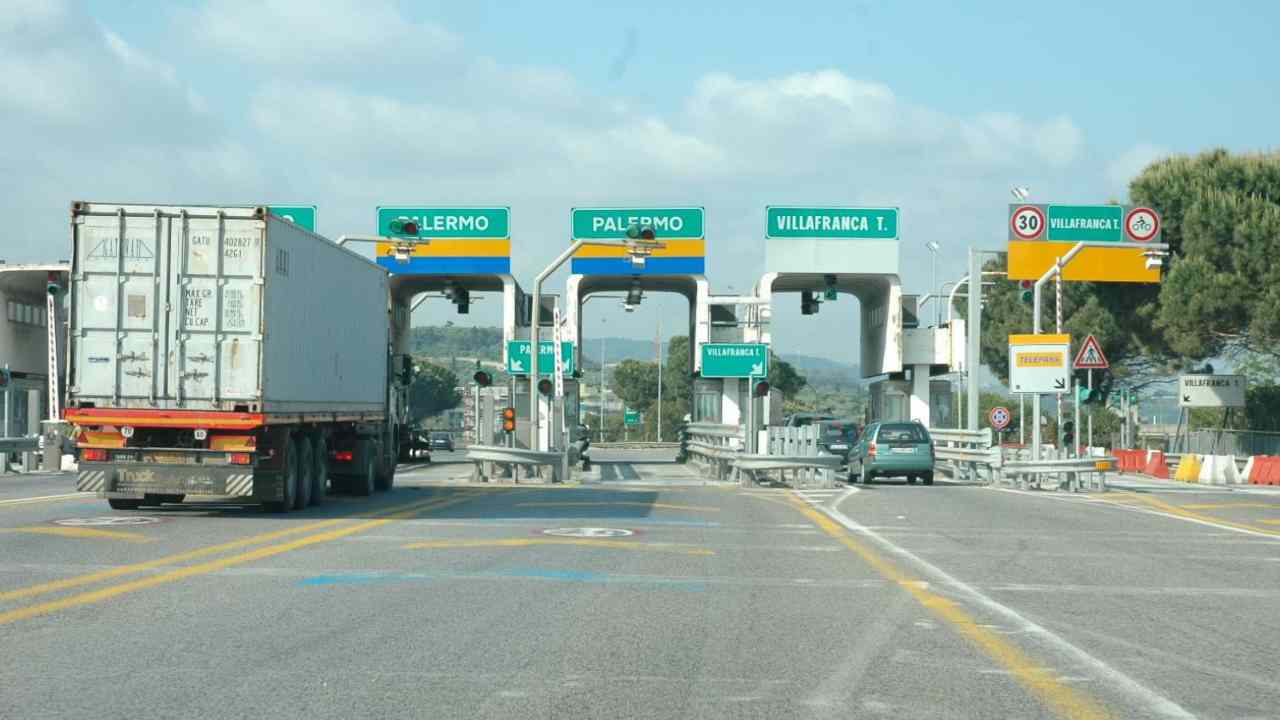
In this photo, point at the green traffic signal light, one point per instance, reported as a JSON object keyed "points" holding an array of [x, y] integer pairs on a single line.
{"points": [[1087, 396]]}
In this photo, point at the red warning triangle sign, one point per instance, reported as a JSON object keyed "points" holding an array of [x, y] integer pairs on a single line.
{"points": [[1090, 356]]}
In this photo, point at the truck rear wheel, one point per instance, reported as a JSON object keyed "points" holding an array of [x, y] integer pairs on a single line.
{"points": [[364, 483], [306, 472], [386, 476], [320, 469], [288, 478]]}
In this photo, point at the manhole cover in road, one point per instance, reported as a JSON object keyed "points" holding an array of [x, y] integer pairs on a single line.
{"points": [[108, 520], [588, 532]]}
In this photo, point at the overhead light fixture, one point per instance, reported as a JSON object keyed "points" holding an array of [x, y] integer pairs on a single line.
{"points": [[1020, 193], [634, 294]]}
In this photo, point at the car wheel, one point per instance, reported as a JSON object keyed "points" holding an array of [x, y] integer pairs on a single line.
{"points": [[911, 479], [928, 478], [866, 476]]}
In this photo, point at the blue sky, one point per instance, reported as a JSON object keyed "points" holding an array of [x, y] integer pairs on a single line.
{"points": [[936, 107]]}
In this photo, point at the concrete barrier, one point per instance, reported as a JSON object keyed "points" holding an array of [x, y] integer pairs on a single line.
{"points": [[1156, 466], [1188, 469], [1219, 470], [1263, 470]]}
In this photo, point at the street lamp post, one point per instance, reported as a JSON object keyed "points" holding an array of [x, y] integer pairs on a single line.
{"points": [[933, 284], [637, 249]]}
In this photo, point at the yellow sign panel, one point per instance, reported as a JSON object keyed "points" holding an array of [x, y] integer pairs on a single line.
{"points": [[1028, 260], [1039, 359], [1063, 339]]}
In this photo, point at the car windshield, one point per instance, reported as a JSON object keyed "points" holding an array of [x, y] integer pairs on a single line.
{"points": [[836, 431], [439, 436], [901, 433]]}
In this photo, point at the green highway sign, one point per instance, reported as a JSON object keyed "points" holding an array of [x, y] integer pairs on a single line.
{"points": [[735, 360], [303, 216], [448, 222], [518, 361], [1083, 223], [612, 223], [631, 417], [844, 223]]}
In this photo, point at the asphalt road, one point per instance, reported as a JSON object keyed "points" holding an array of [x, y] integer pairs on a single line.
{"points": [[657, 595]]}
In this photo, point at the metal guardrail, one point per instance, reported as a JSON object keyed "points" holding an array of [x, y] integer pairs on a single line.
{"points": [[1073, 473], [25, 444], [969, 452], [713, 447], [483, 456], [819, 469], [28, 446]]}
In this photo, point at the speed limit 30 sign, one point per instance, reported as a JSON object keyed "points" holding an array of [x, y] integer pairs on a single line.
{"points": [[1026, 222]]}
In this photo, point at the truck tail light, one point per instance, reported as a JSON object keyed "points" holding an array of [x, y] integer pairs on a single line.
{"points": [[343, 455], [93, 454], [871, 450], [240, 458]]}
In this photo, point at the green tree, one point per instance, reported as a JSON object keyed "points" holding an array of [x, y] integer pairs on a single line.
{"points": [[433, 390], [1221, 292], [636, 382], [784, 377]]}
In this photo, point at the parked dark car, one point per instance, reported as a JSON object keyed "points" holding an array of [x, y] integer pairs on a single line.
{"points": [[441, 441], [893, 449], [838, 437]]}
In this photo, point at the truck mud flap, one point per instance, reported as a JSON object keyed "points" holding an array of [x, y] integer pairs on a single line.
{"points": [[139, 480], [91, 481]]}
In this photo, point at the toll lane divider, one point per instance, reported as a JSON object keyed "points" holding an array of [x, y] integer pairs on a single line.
{"points": [[1156, 466], [1262, 470]]}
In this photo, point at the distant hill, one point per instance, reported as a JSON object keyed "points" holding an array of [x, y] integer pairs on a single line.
{"points": [[486, 343]]}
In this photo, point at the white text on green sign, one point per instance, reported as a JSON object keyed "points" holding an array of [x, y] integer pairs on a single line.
{"points": [[832, 222], [441, 222], [735, 360], [1083, 223], [612, 223], [519, 362]]}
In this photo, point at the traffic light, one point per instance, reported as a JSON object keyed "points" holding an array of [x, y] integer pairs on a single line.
{"points": [[1069, 433], [53, 284], [1028, 290], [761, 388], [483, 378], [404, 226], [808, 303], [508, 419], [545, 387], [640, 232], [1087, 396], [462, 298], [830, 293]]}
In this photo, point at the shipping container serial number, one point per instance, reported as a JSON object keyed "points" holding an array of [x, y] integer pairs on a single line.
{"points": [[234, 247]]}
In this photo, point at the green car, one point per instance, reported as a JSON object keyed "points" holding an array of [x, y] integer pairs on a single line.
{"points": [[893, 449]]}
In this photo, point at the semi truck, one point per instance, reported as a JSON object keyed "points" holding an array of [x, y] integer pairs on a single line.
{"points": [[227, 352]]}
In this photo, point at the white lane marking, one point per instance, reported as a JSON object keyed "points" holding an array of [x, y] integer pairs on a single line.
{"points": [[1142, 509], [1104, 673], [42, 498]]}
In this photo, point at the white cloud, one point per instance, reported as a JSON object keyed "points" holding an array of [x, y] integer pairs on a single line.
{"points": [[1128, 164], [310, 33]]}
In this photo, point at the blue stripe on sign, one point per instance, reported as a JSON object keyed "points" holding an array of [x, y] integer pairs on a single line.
{"points": [[652, 266], [448, 265]]}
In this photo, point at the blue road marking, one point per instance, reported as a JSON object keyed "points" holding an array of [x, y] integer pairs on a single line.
{"points": [[573, 576]]}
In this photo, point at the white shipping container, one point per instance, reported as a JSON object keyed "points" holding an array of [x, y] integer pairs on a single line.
{"points": [[222, 308]]}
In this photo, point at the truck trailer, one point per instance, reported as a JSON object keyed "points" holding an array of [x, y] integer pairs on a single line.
{"points": [[227, 352]]}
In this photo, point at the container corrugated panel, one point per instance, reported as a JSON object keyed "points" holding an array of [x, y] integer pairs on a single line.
{"points": [[228, 308]]}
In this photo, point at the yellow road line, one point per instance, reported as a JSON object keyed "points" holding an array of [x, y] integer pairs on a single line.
{"points": [[79, 580], [83, 532], [46, 498], [1270, 522], [1199, 517], [86, 598], [1062, 699], [1215, 506], [529, 542], [632, 503]]}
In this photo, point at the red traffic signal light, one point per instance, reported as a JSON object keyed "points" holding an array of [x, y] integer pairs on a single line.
{"points": [[1028, 290], [404, 226], [482, 378], [545, 386], [508, 419], [761, 389]]}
